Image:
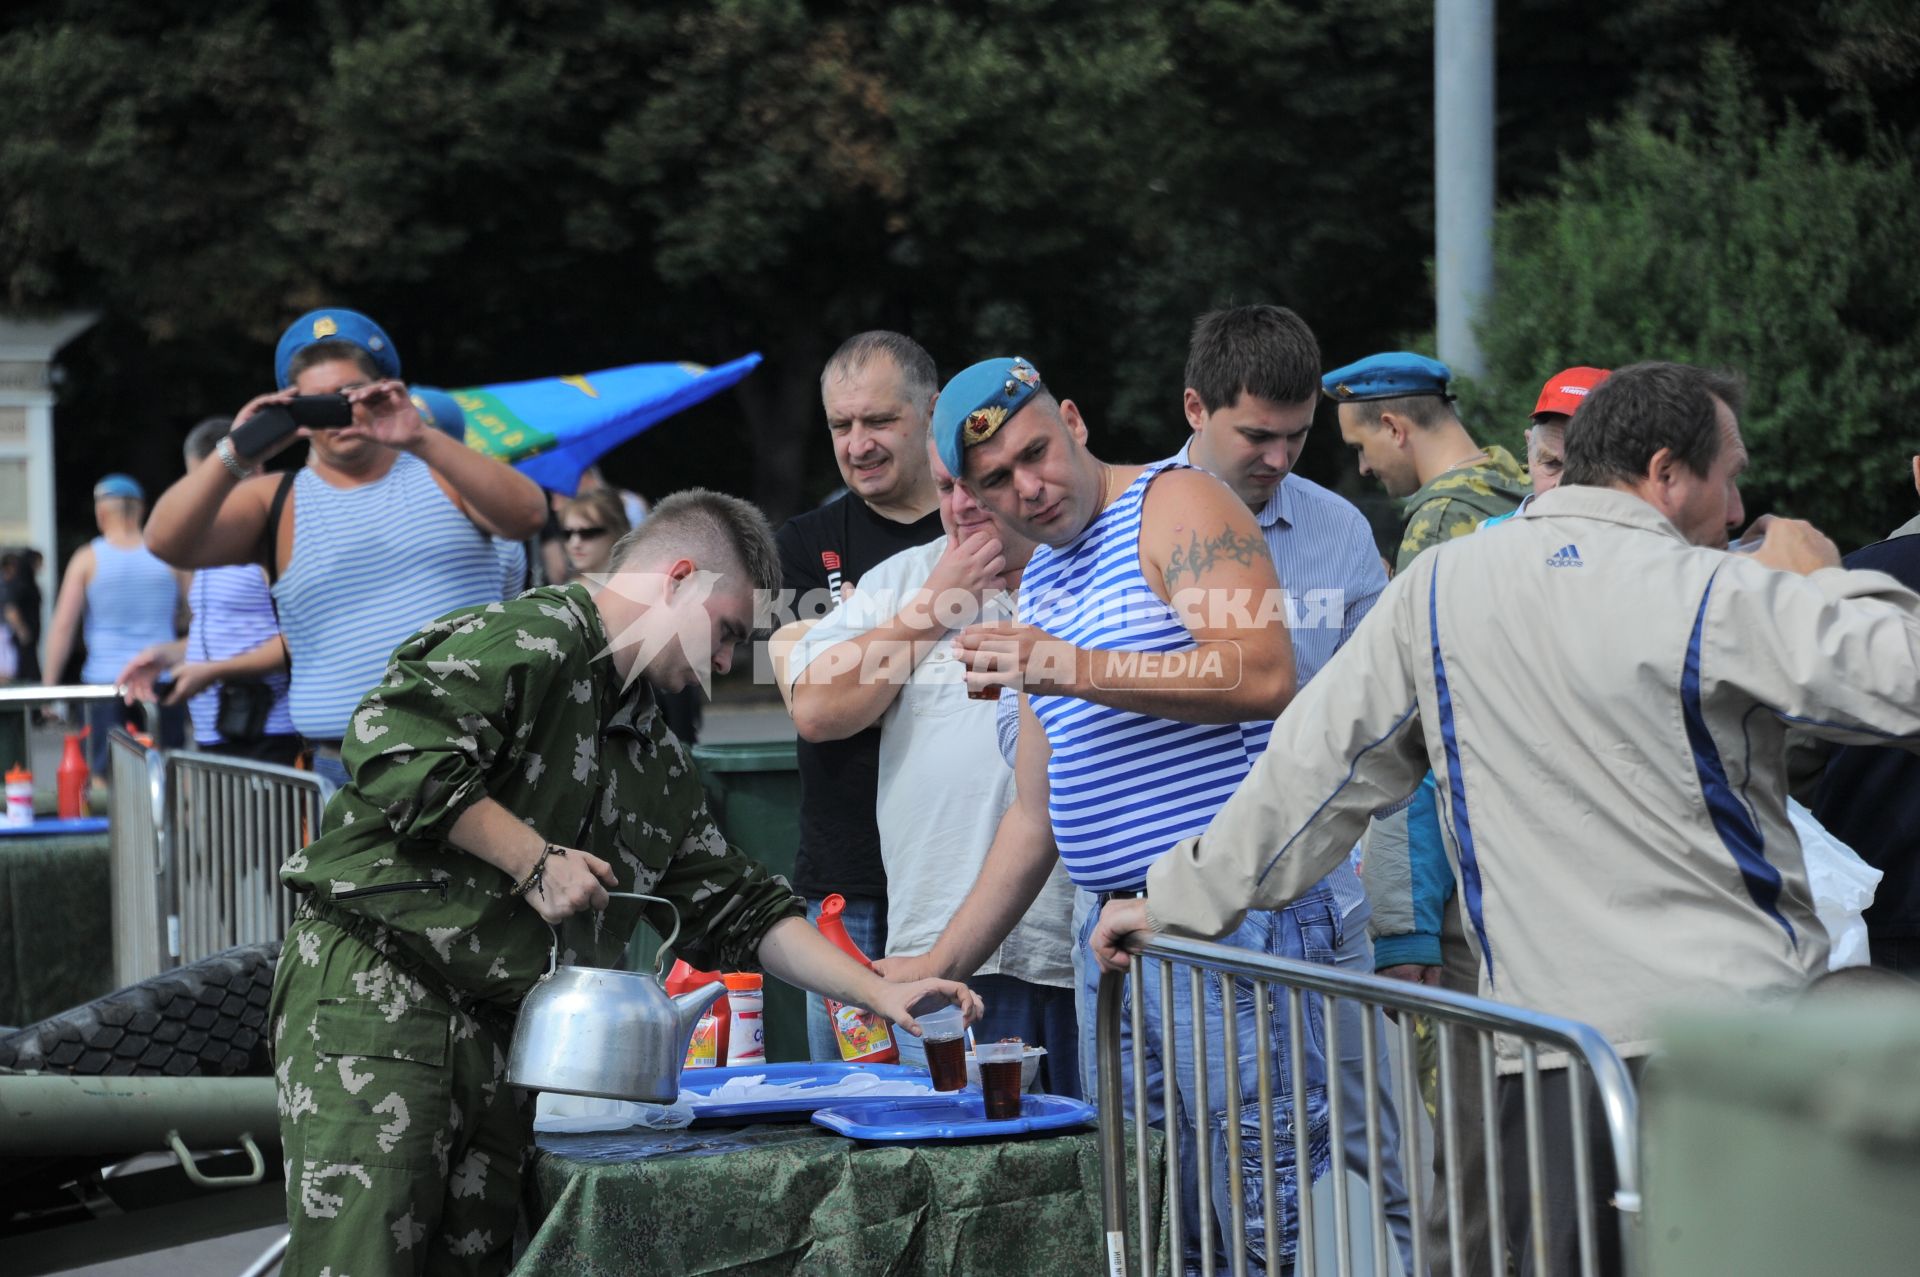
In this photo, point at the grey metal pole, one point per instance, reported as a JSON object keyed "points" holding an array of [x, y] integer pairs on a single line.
{"points": [[1462, 176]]}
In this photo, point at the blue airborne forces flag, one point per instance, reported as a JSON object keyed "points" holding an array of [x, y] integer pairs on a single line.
{"points": [[553, 428]]}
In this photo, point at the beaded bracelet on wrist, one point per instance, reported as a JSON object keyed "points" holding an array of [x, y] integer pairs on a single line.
{"points": [[537, 874]]}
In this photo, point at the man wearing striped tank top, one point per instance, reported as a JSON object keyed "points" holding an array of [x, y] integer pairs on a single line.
{"points": [[1135, 693], [121, 600], [387, 526]]}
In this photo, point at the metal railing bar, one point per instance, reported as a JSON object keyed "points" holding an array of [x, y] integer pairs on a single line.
{"points": [[1450, 1141], [1582, 1170], [1490, 1132], [1203, 1159], [1536, 1159], [1337, 1128], [1412, 1165], [1136, 997], [1376, 1169], [1297, 1127], [1236, 1176], [1113, 1136], [1263, 1025], [1169, 1110]]}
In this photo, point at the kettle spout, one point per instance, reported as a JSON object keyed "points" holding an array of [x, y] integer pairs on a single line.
{"points": [[690, 1006]]}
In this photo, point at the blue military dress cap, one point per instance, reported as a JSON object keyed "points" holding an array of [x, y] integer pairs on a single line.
{"points": [[439, 410], [119, 485], [334, 324], [1392, 375], [977, 402]]}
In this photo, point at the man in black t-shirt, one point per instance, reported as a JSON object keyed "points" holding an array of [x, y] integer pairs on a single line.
{"points": [[878, 391]]}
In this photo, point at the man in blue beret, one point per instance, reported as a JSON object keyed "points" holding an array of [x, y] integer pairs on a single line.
{"points": [[1397, 415], [386, 527], [1143, 674]]}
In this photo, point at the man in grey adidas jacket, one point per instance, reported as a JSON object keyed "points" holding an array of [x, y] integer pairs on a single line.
{"points": [[1605, 699]]}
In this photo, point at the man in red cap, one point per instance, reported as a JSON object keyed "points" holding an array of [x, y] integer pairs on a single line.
{"points": [[1559, 399]]}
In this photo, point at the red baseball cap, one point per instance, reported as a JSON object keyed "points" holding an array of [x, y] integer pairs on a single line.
{"points": [[1564, 391]]}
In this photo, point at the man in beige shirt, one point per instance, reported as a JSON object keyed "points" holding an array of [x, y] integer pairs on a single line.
{"points": [[1604, 694]]}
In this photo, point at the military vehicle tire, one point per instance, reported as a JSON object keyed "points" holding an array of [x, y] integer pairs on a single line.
{"points": [[205, 1019]]}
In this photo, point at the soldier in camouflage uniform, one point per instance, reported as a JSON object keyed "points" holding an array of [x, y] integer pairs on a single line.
{"points": [[510, 769], [1397, 414]]}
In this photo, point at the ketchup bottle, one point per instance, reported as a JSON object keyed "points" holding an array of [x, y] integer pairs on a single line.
{"points": [[708, 1049], [864, 1037], [74, 777]]}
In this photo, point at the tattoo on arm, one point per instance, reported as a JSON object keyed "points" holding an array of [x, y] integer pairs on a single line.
{"points": [[1196, 558]]}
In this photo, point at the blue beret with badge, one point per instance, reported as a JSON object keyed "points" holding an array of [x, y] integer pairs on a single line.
{"points": [[977, 402], [440, 410], [334, 324], [1397, 374]]}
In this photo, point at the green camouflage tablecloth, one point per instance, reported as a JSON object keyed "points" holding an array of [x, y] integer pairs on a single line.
{"points": [[56, 924], [798, 1199]]}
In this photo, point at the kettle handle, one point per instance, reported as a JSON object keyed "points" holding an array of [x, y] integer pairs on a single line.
{"points": [[659, 957]]}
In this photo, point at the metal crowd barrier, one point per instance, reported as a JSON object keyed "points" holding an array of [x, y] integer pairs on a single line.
{"points": [[137, 854], [230, 824], [1589, 1059]]}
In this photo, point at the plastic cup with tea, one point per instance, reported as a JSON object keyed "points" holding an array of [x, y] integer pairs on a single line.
{"points": [[944, 1034], [1000, 1077]]}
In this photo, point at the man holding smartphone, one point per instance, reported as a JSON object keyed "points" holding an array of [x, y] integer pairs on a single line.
{"points": [[387, 526]]}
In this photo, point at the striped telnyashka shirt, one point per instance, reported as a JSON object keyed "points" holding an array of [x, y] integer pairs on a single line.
{"points": [[1122, 787], [370, 566], [132, 601], [232, 615]]}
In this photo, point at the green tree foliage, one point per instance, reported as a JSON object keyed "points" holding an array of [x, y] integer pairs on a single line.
{"points": [[518, 188], [1743, 241]]}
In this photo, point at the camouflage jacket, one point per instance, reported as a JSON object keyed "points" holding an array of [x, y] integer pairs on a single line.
{"points": [[1453, 504], [517, 701]]}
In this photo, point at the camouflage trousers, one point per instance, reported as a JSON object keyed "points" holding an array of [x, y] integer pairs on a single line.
{"points": [[404, 1144]]}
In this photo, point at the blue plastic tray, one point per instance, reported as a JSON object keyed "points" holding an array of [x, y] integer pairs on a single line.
{"points": [[960, 1116], [704, 1081], [48, 827]]}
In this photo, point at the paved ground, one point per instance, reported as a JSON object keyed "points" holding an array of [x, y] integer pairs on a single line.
{"points": [[221, 1257]]}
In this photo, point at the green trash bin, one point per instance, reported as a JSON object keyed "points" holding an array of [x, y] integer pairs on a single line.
{"points": [[1786, 1145], [753, 789]]}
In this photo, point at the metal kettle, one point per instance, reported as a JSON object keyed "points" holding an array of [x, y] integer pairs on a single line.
{"points": [[608, 1033]]}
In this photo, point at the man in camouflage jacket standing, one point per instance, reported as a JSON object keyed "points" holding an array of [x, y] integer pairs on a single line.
{"points": [[1397, 414], [509, 770]]}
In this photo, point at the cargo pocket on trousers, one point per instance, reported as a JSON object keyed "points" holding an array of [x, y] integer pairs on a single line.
{"points": [[381, 1091], [1286, 1183]]}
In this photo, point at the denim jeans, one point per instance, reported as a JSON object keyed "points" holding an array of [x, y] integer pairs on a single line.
{"points": [[1326, 925], [331, 771], [1037, 1014], [866, 921]]}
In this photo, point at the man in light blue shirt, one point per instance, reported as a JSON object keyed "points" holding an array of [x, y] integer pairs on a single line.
{"points": [[1252, 383]]}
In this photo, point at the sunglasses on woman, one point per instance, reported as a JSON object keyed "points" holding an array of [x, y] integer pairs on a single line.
{"points": [[585, 534]]}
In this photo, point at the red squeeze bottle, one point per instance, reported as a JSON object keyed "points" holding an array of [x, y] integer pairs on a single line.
{"points": [[864, 1038], [708, 1049], [73, 776]]}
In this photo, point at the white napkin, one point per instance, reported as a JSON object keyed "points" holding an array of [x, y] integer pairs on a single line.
{"points": [[574, 1114], [851, 1086]]}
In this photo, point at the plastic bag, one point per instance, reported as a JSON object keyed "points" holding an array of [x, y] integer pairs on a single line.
{"points": [[1842, 886], [574, 1114]]}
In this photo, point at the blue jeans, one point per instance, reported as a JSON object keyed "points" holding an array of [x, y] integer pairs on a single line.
{"points": [[1326, 926], [104, 715], [1037, 1014], [866, 921], [332, 773]]}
